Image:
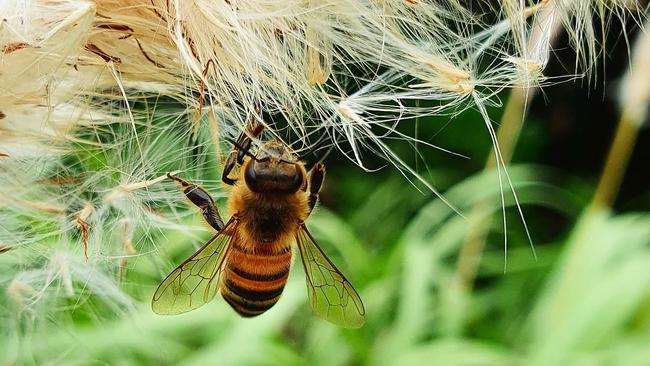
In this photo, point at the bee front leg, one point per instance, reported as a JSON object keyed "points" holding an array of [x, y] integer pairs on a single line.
{"points": [[316, 177], [201, 199], [236, 156], [228, 167]]}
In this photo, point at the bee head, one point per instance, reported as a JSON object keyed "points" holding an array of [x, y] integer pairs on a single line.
{"points": [[274, 170]]}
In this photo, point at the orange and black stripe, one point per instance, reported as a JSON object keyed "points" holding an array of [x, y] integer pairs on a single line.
{"points": [[253, 281]]}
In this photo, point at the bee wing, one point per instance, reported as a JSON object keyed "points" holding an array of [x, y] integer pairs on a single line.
{"points": [[331, 295], [195, 281]]}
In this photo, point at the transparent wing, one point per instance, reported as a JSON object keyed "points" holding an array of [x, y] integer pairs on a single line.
{"points": [[331, 295], [194, 282]]}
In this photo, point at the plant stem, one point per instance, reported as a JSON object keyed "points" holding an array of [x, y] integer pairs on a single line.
{"points": [[616, 163]]}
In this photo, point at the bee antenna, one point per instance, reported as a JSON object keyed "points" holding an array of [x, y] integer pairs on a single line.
{"points": [[241, 148], [288, 162]]}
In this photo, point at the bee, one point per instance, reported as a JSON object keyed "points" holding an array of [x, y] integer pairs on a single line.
{"points": [[249, 258]]}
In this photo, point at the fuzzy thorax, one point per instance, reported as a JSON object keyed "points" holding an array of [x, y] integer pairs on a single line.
{"points": [[269, 218]]}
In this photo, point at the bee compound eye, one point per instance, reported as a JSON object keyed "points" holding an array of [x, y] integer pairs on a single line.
{"points": [[250, 176], [298, 180]]}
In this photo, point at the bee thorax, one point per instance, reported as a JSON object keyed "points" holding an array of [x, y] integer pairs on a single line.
{"points": [[268, 224]]}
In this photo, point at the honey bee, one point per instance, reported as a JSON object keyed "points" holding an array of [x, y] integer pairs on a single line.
{"points": [[249, 258]]}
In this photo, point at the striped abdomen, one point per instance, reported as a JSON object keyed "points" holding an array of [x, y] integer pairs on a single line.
{"points": [[253, 280]]}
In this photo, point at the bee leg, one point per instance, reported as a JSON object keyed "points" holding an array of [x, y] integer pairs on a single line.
{"points": [[244, 142], [316, 177], [228, 167], [246, 139], [201, 199]]}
